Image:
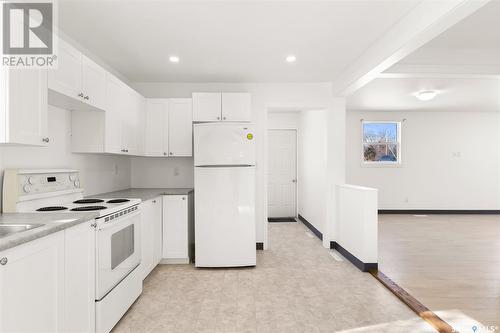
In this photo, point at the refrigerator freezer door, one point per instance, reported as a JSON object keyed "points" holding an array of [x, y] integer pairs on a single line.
{"points": [[224, 144], [225, 217]]}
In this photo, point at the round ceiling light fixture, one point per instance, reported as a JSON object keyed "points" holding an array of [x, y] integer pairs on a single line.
{"points": [[426, 95], [174, 59], [290, 58]]}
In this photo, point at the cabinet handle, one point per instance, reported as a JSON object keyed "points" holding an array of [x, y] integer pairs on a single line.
{"points": [[223, 118], [171, 153], [4, 261], [154, 201], [94, 225], [164, 153], [183, 198], [46, 140], [218, 118], [80, 94], [86, 97]]}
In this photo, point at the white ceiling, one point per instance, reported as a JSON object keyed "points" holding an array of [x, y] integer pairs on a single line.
{"points": [[229, 41], [455, 95], [463, 63], [473, 41]]}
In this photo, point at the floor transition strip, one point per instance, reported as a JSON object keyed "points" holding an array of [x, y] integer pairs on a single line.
{"points": [[425, 313]]}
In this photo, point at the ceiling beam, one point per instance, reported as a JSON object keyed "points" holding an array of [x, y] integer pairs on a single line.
{"points": [[402, 71], [423, 23]]}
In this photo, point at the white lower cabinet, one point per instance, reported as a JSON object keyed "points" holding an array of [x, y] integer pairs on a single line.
{"points": [[151, 234], [32, 286], [47, 285], [177, 224], [79, 248]]}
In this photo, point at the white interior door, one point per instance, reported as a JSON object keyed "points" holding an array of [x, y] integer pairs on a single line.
{"points": [[282, 173]]}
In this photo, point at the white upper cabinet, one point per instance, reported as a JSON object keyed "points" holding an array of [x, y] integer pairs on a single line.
{"points": [[93, 83], [236, 107], [156, 112], [67, 78], [23, 112], [168, 127], [207, 106], [113, 116], [77, 83], [222, 107], [180, 127]]}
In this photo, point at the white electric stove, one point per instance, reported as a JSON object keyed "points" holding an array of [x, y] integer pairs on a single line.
{"points": [[118, 225]]}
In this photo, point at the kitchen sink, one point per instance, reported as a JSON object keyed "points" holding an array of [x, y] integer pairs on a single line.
{"points": [[7, 229]]}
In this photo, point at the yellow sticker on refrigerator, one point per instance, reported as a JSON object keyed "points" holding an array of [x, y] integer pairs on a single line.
{"points": [[249, 136]]}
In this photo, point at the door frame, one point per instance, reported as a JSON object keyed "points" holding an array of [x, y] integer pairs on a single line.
{"points": [[296, 165]]}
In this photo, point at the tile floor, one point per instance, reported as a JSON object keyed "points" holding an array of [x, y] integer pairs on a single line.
{"points": [[450, 263], [297, 286]]}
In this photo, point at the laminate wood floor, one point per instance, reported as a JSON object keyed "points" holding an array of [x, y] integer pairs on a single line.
{"points": [[297, 286], [450, 263]]}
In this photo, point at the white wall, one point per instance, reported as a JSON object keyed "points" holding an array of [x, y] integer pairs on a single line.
{"points": [[99, 173], [451, 160], [283, 120], [266, 96], [162, 172], [312, 158]]}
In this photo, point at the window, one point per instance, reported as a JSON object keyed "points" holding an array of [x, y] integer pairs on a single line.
{"points": [[381, 142]]}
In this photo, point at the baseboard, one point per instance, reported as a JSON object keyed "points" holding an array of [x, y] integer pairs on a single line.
{"points": [[259, 245], [281, 219], [311, 227], [174, 261], [362, 266], [441, 211]]}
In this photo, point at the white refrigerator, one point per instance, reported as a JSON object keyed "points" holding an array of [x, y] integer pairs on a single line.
{"points": [[224, 181]]}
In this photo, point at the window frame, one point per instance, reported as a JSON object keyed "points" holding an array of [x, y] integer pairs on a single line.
{"points": [[398, 143]]}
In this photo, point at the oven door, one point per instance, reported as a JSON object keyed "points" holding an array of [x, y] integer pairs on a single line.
{"points": [[118, 248]]}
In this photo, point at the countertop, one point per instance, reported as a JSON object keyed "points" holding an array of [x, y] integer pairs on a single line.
{"points": [[144, 193], [53, 222]]}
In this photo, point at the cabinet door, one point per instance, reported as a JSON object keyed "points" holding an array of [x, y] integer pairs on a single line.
{"points": [[25, 107], [93, 83], [147, 217], [67, 78], [175, 227], [80, 278], [157, 230], [206, 106], [180, 127], [113, 115], [156, 112], [32, 286], [236, 107]]}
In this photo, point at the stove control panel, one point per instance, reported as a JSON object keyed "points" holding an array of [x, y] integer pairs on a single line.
{"points": [[38, 183], [26, 185]]}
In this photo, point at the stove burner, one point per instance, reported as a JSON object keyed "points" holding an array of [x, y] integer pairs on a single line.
{"points": [[87, 201], [87, 208], [118, 201], [51, 208]]}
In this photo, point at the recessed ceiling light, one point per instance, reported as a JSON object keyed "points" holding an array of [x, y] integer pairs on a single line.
{"points": [[291, 58], [174, 59], [426, 95]]}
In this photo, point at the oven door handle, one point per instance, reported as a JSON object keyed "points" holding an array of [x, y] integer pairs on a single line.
{"points": [[117, 221]]}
